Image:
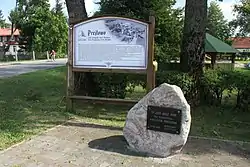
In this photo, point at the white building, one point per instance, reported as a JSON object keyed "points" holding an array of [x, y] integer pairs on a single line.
{"points": [[5, 35]]}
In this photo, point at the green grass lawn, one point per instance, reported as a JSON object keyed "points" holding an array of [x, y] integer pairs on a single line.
{"points": [[242, 61], [31, 103], [243, 70], [216, 122]]}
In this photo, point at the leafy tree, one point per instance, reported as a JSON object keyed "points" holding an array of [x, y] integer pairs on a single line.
{"points": [[41, 29], [53, 34], [168, 22], [217, 25], [242, 17], [28, 16]]}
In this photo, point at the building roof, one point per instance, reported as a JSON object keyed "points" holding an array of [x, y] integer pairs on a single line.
{"points": [[7, 32], [214, 45], [241, 42]]}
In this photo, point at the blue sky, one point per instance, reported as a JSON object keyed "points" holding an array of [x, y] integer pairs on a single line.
{"points": [[226, 6]]}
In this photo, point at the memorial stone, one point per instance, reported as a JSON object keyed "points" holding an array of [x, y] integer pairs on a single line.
{"points": [[159, 123]]}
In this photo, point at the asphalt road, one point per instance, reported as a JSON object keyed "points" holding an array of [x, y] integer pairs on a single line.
{"points": [[9, 70]]}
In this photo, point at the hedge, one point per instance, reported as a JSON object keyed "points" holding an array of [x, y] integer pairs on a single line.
{"points": [[217, 87]]}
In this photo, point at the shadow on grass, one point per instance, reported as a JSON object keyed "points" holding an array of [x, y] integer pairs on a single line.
{"points": [[193, 147], [109, 115], [217, 122]]}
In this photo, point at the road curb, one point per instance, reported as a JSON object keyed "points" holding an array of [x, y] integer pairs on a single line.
{"points": [[24, 62], [7, 64]]}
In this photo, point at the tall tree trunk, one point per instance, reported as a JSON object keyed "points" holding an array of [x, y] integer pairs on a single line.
{"points": [[84, 82], [193, 42], [76, 10]]}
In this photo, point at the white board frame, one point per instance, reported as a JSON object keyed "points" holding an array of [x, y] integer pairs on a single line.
{"points": [[95, 66]]}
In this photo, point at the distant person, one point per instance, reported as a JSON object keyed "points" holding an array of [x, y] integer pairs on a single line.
{"points": [[53, 55]]}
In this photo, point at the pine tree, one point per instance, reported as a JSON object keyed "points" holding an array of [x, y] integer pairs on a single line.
{"points": [[2, 20], [58, 9], [217, 25]]}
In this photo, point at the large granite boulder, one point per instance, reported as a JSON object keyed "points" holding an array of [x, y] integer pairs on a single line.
{"points": [[151, 142]]}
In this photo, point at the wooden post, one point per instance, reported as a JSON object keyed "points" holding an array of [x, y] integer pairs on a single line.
{"points": [[70, 73], [34, 55], [16, 56], [47, 55], [213, 59], [150, 67], [233, 58]]}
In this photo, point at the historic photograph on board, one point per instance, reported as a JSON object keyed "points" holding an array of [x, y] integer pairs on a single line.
{"points": [[127, 31]]}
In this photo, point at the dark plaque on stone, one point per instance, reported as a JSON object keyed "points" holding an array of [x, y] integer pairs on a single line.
{"points": [[164, 119]]}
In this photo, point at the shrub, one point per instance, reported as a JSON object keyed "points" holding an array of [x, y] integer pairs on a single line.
{"points": [[109, 85], [213, 86], [240, 81], [218, 84], [183, 80]]}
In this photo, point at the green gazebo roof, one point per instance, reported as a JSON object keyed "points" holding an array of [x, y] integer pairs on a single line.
{"points": [[214, 45]]}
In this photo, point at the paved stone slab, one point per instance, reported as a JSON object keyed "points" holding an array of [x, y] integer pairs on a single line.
{"points": [[78, 144]]}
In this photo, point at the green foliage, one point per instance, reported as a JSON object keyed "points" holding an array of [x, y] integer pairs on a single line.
{"points": [[112, 86], [2, 20], [217, 25], [217, 86], [28, 16], [183, 80], [213, 86], [108, 85], [169, 22], [242, 9], [58, 9], [53, 34], [41, 29]]}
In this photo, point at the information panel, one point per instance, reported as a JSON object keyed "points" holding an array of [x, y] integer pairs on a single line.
{"points": [[110, 43], [164, 119]]}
